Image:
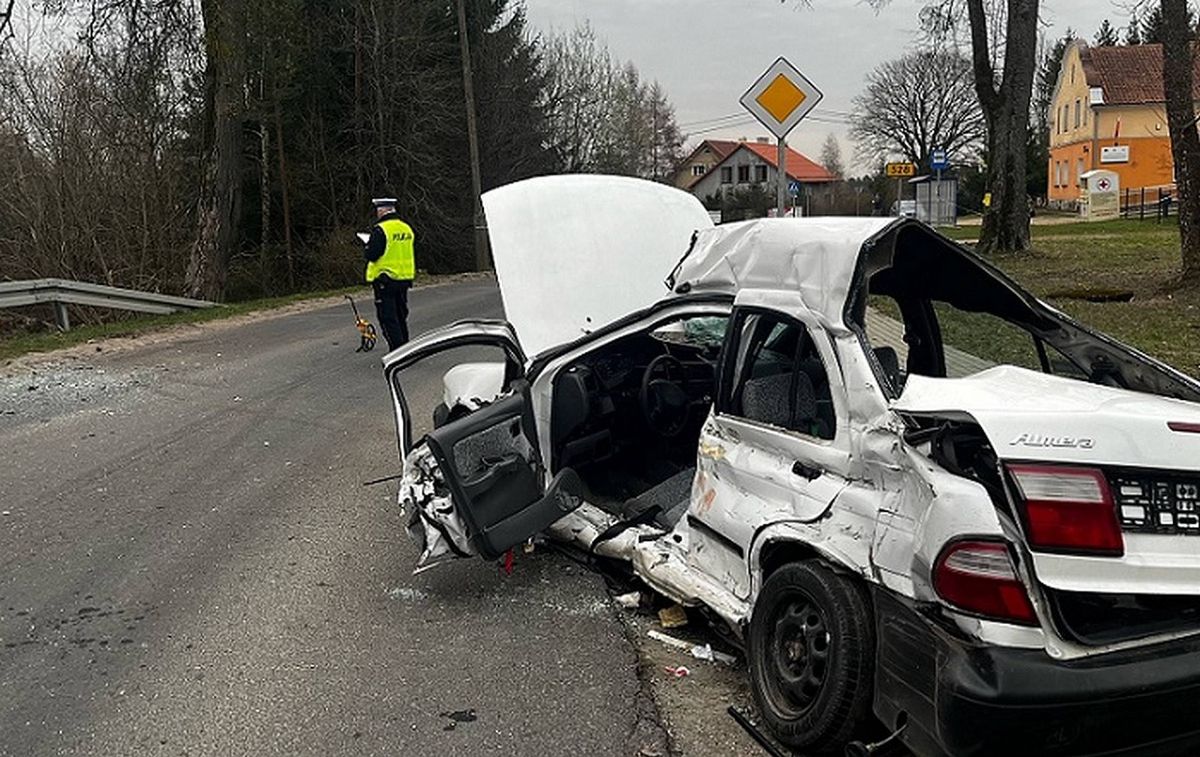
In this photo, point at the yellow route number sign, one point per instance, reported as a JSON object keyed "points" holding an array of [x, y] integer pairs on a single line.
{"points": [[901, 170]]}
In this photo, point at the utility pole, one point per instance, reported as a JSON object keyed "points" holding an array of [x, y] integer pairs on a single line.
{"points": [[481, 238]]}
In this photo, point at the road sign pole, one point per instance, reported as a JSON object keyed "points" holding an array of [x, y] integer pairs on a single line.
{"points": [[781, 178], [938, 213]]}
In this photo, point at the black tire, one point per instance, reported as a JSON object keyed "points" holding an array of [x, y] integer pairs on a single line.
{"points": [[811, 654]]}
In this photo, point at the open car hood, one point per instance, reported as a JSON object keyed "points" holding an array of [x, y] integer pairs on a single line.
{"points": [[574, 253], [1034, 416]]}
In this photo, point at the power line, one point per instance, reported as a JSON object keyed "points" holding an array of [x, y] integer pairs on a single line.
{"points": [[714, 119]]}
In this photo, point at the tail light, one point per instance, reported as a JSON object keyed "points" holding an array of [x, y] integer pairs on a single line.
{"points": [[1068, 509], [979, 577]]}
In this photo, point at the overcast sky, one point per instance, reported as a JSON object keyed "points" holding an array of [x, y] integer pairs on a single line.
{"points": [[706, 53]]}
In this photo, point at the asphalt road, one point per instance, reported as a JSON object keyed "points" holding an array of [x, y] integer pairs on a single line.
{"points": [[190, 565]]}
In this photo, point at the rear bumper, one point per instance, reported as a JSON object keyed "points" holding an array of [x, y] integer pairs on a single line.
{"points": [[962, 698]]}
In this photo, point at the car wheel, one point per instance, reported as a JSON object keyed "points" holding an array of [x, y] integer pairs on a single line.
{"points": [[811, 650]]}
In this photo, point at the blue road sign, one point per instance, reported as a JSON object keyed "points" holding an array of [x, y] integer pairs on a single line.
{"points": [[938, 160], [794, 188]]}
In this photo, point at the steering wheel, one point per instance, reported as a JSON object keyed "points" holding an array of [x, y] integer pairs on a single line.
{"points": [[664, 400]]}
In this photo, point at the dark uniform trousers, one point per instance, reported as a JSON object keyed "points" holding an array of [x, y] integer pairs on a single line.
{"points": [[391, 305]]}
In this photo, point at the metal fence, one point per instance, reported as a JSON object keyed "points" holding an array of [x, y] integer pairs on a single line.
{"points": [[62, 292], [1149, 203]]}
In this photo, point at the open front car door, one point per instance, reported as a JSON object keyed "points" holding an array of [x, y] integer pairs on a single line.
{"points": [[473, 485]]}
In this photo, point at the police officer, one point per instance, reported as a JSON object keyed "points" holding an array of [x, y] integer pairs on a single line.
{"points": [[390, 270]]}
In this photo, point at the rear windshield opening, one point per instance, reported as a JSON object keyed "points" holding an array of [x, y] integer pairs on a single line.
{"points": [[927, 306]]}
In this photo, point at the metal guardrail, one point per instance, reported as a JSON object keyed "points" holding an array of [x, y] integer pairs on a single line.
{"points": [[62, 292]]}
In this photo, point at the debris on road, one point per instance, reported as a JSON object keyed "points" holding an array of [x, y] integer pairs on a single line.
{"points": [[678, 671], [706, 652], [673, 617], [459, 716], [699, 651], [629, 601]]}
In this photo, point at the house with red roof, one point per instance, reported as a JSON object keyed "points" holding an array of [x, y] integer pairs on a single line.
{"points": [[1108, 111], [706, 155], [756, 164]]}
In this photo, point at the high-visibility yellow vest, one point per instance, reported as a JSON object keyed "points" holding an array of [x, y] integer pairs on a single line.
{"points": [[397, 260]]}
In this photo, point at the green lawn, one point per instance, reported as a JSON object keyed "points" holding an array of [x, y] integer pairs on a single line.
{"points": [[1071, 262]]}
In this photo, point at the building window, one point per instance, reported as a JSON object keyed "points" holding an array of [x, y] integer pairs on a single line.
{"points": [[760, 174], [1072, 73], [1076, 114], [1066, 116], [698, 170], [1085, 112], [726, 174], [743, 174], [1079, 171]]}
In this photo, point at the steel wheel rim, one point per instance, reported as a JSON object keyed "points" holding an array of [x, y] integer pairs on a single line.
{"points": [[799, 652]]}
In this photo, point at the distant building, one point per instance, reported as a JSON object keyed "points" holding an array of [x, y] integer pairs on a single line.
{"points": [[756, 163], [1108, 111], [706, 155]]}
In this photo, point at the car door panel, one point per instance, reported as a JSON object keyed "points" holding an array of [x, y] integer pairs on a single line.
{"points": [[752, 474], [464, 334], [491, 468]]}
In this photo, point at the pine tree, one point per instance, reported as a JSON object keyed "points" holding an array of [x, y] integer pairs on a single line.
{"points": [[1107, 35], [1152, 26], [1133, 32]]}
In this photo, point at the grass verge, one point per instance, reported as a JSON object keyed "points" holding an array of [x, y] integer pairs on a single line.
{"points": [[1073, 264]]}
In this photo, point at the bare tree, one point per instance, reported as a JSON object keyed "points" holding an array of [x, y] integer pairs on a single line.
{"points": [[602, 115], [916, 104], [1178, 49], [831, 157], [1004, 39], [1003, 42], [6, 18], [221, 186]]}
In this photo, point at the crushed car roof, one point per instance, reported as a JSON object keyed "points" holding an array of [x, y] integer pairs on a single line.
{"points": [[814, 256]]}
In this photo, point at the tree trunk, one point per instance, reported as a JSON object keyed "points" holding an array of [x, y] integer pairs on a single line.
{"points": [[220, 193], [1181, 123], [1006, 110], [287, 205]]}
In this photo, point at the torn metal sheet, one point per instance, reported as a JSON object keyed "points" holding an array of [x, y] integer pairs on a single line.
{"points": [[433, 522]]}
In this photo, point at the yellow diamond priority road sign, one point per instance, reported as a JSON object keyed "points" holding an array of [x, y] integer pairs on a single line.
{"points": [[781, 97]]}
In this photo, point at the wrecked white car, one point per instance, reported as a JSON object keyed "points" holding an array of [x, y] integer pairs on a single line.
{"points": [[990, 554]]}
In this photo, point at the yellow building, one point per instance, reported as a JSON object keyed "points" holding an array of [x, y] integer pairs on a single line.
{"points": [[1108, 112]]}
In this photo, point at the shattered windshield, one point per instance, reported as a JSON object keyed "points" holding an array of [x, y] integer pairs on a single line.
{"points": [[705, 332]]}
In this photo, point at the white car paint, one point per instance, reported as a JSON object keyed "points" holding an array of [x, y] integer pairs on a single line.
{"points": [[881, 508], [574, 253]]}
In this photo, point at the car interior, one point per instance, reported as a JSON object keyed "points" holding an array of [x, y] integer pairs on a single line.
{"points": [[627, 417]]}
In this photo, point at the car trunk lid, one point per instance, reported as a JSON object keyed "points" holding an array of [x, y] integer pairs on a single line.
{"points": [[1152, 466]]}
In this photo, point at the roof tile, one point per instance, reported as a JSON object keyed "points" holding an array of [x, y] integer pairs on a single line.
{"points": [[799, 167], [1130, 74]]}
